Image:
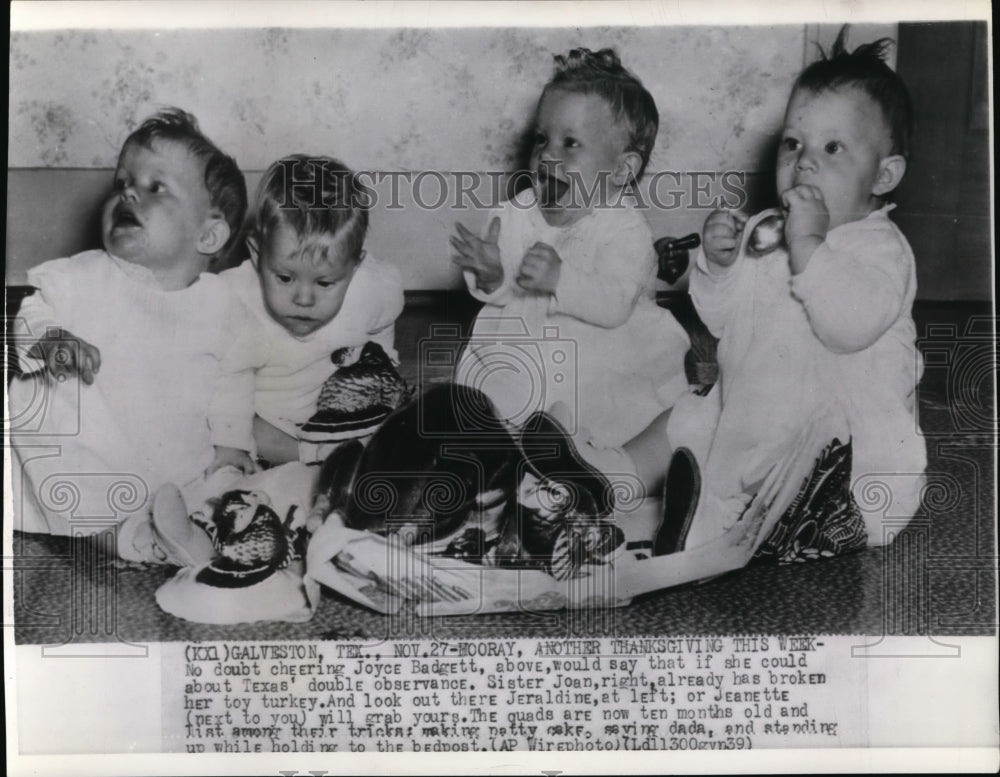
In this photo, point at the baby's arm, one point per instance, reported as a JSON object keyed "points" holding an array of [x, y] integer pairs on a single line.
{"points": [[66, 355], [715, 283], [231, 457], [855, 286], [61, 353], [606, 295], [384, 307], [806, 225], [721, 239], [231, 408], [480, 258]]}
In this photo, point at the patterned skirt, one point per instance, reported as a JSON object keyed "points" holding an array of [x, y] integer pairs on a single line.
{"points": [[823, 519]]}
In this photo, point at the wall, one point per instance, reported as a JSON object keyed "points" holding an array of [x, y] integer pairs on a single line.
{"points": [[944, 202], [391, 100]]}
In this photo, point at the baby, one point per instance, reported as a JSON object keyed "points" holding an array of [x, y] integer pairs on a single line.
{"points": [[567, 271], [121, 347], [823, 321], [309, 290]]}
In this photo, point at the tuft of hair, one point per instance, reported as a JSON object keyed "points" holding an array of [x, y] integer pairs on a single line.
{"points": [[316, 197], [226, 186], [601, 73], [865, 68]]}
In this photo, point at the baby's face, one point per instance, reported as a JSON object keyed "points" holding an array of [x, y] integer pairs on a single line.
{"points": [[159, 210], [578, 150], [302, 293], [834, 140]]}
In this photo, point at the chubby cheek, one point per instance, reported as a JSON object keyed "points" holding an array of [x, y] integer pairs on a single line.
{"points": [[275, 297], [332, 305], [785, 173], [106, 212]]}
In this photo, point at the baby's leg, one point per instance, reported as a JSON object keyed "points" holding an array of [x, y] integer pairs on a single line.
{"points": [[273, 445], [637, 468], [650, 450]]}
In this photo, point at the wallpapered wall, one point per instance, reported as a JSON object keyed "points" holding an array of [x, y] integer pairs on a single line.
{"points": [[389, 100]]}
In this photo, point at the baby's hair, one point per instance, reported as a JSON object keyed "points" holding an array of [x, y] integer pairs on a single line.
{"points": [[865, 69], [227, 189], [315, 196], [586, 72]]}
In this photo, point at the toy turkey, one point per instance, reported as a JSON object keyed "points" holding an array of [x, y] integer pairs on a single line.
{"points": [[356, 398], [252, 542]]}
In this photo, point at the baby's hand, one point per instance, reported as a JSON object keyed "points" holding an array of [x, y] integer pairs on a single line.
{"points": [[231, 457], [721, 236], [66, 355], [539, 270], [806, 225], [480, 257], [807, 213]]}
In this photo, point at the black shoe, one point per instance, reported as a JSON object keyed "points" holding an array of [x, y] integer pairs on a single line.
{"points": [[551, 454], [680, 500]]}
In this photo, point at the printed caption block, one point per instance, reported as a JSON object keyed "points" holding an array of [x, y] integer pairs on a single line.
{"points": [[685, 693]]}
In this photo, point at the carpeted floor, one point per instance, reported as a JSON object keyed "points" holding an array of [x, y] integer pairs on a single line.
{"points": [[938, 577]]}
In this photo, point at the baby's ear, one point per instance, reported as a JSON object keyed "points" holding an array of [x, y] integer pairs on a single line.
{"points": [[253, 248], [629, 165], [214, 235], [890, 172]]}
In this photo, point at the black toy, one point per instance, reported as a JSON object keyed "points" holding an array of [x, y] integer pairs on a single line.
{"points": [[445, 460]]}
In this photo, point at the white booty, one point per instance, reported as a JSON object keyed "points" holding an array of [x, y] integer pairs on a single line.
{"points": [[563, 415], [185, 543], [612, 462]]}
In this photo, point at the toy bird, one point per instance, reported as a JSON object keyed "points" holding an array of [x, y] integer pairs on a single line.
{"points": [[252, 542], [583, 543], [357, 397]]}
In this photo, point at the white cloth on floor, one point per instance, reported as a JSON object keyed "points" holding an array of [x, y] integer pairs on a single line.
{"points": [[282, 596]]}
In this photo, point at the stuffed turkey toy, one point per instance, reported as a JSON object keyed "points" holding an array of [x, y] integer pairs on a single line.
{"points": [[356, 398], [252, 542], [254, 571]]}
